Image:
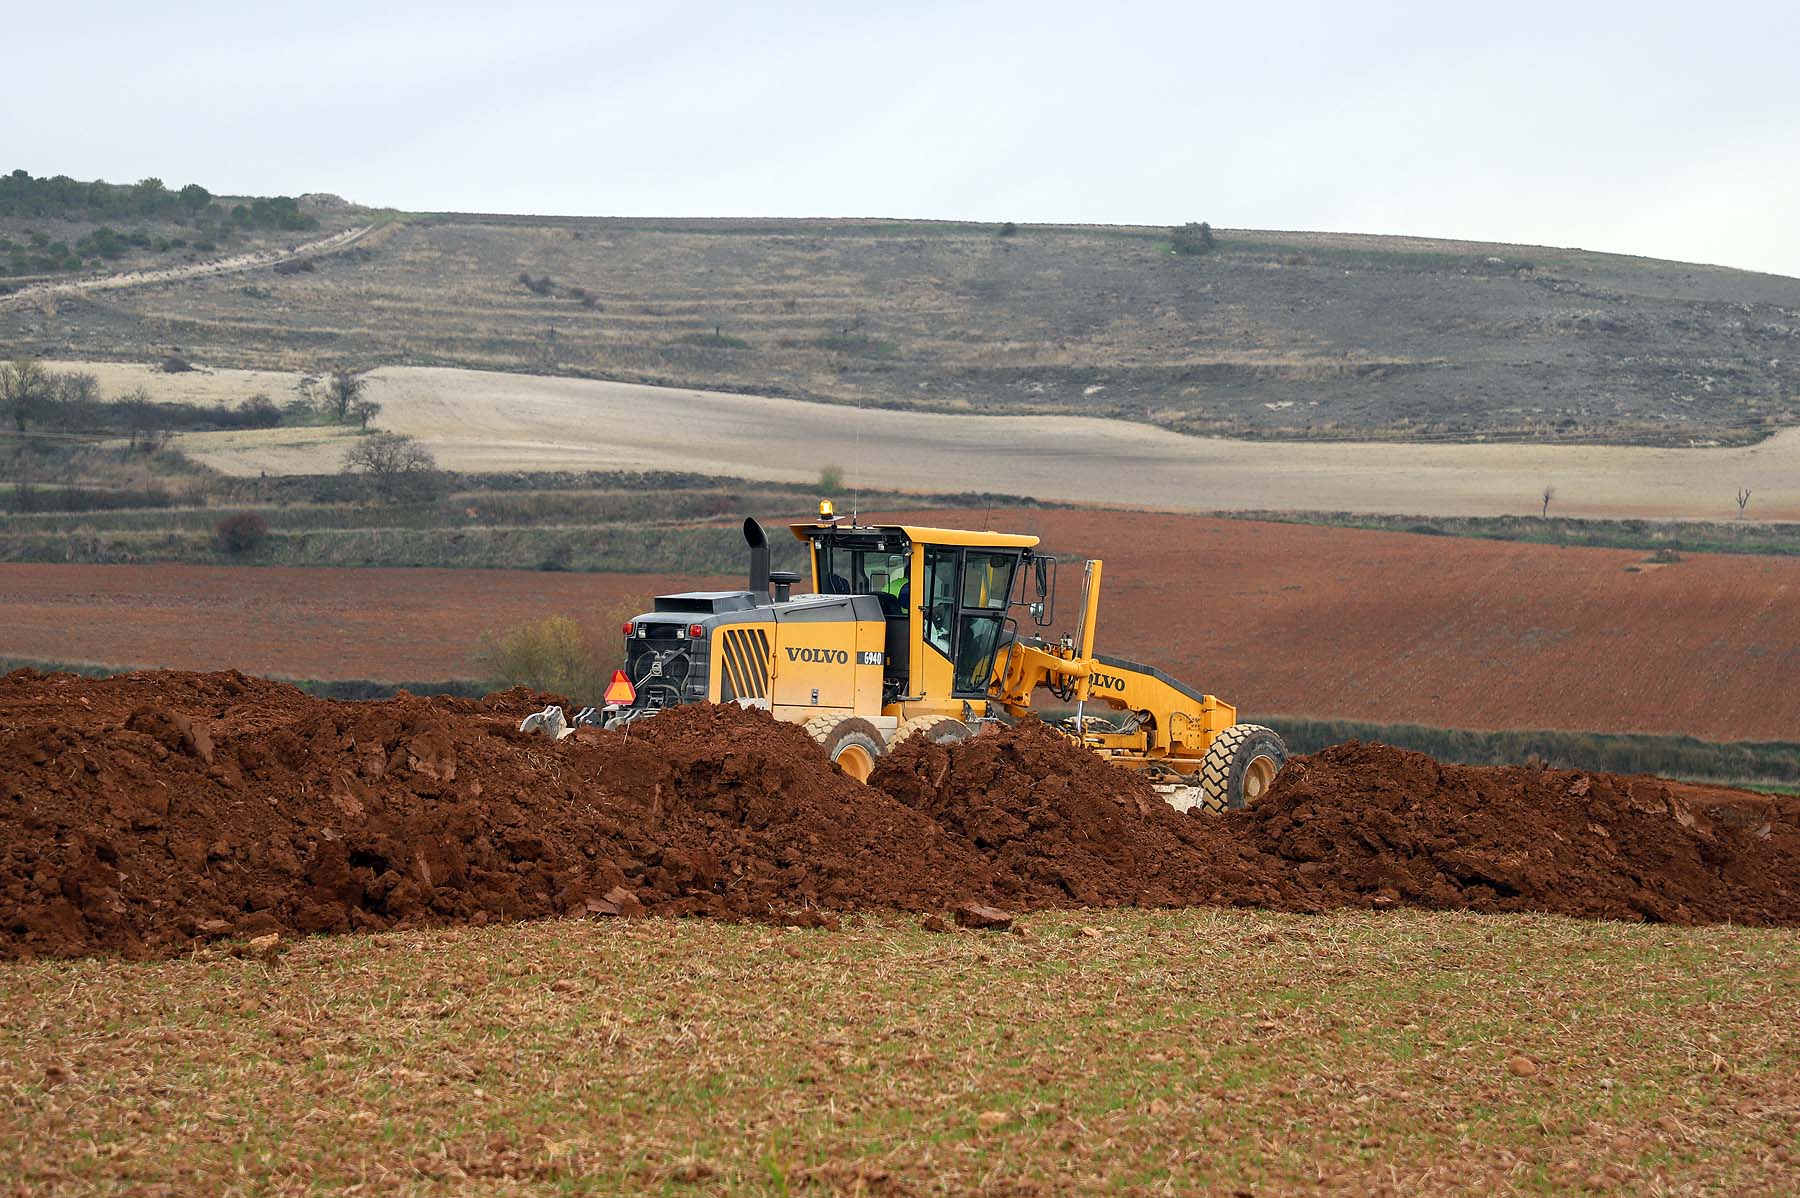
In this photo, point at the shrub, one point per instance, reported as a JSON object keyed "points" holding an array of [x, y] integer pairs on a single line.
{"points": [[1008, 229], [245, 532], [714, 340], [299, 411], [553, 654], [259, 411], [1193, 238], [831, 480]]}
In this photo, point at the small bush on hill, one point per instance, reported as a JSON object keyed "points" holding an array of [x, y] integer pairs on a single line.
{"points": [[259, 411], [245, 532], [1194, 238]]}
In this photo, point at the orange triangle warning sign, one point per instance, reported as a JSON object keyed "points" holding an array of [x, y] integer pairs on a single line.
{"points": [[620, 690]]}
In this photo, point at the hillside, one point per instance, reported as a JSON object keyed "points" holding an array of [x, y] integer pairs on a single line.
{"points": [[1270, 335], [58, 228]]}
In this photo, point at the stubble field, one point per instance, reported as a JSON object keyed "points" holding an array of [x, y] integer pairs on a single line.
{"points": [[474, 421], [1127, 1052]]}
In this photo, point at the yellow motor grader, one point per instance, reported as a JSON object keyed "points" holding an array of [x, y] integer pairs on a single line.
{"points": [[913, 631]]}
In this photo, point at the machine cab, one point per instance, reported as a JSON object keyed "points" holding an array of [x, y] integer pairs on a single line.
{"points": [[944, 594]]}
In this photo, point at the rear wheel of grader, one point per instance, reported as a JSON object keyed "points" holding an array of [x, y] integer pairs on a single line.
{"points": [[938, 729], [1240, 766], [850, 741]]}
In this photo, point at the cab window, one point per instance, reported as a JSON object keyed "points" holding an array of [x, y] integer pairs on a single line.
{"points": [[940, 597], [987, 579], [847, 571]]}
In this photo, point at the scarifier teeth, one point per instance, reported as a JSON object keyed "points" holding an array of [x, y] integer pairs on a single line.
{"points": [[550, 721]]}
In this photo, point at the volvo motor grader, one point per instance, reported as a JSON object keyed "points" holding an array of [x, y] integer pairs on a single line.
{"points": [[913, 631]]}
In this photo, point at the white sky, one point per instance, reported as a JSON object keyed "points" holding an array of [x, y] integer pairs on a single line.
{"points": [[1670, 130]]}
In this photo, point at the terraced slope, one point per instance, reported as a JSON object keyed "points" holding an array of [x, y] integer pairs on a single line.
{"points": [[1272, 335]]}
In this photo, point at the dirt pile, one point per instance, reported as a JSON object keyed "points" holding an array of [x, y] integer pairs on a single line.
{"points": [[1061, 827], [143, 812], [1383, 824], [139, 814]]}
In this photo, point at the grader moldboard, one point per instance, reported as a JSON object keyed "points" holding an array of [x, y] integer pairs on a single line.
{"points": [[916, 631]]}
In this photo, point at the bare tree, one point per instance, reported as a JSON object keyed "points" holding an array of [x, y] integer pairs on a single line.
{"points": [[1548, 495], [77, 387], [1743, 500], [23, 386], [343, 390], [363, 411], [141, 419], [397, 466]]}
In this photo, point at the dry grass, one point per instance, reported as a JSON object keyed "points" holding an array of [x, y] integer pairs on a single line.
{"points": [[1136, 1053]]}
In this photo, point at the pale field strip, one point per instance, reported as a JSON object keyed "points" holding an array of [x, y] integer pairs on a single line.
{"points": [[476, 421]]}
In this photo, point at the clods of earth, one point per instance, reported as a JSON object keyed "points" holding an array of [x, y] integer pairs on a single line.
{"points": [[144, 813]]}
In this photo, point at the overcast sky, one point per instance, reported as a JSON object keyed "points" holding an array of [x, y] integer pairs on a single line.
{"points": [[1671, 130]]}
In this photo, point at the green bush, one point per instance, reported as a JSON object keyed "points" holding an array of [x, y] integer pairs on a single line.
{"points": [[1193, 238]]}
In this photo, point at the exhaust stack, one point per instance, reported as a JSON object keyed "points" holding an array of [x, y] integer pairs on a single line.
{"points": [[758, 540]]}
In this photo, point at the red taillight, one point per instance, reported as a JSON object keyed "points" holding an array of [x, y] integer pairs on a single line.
{"points": [[628, 628], [696, 632]]}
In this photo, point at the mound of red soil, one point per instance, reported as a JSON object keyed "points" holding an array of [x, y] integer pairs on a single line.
{"points": [[141, 813], [1062, 827], [1377, 822]]}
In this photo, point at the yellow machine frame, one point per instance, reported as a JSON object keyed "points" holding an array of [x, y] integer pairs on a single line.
{"points": [[1168, 728]]}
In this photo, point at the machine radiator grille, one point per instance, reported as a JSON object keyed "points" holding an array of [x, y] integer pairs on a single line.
{"points": [[743, 664]]}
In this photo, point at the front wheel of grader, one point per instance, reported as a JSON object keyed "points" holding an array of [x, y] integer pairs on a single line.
{"points": [[1240, 766], [938, 729], [852, 743]]}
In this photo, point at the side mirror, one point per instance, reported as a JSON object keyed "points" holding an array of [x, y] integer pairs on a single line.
{"points": [[1043, 612]]}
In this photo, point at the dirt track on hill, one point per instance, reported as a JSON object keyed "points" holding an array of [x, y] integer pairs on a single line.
{"points": [[235, 264], [149, 812]]}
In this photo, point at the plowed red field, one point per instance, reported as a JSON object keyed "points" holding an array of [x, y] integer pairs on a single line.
{"points": [[1276, 618]]}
